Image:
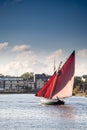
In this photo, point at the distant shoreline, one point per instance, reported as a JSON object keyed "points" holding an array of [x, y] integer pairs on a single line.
{"points": [[81, 94], [33, 92]]}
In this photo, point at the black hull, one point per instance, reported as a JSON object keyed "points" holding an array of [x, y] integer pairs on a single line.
{"points": [[59, 102], [52, 102]]}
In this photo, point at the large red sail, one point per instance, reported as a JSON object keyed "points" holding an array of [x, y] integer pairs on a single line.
{"points": [[46, 89], [60, 84], [64, 83]]}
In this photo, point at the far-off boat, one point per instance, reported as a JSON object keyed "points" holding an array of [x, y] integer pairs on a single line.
{"points": [[60, 84]]}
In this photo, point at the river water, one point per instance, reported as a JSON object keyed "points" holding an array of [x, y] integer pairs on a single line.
{"points": [[24, 112]]}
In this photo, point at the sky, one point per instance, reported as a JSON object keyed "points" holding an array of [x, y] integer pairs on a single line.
{"points": [[35, 33]]}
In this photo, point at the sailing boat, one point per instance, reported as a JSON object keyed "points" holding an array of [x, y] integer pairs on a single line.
{"points": [[60, 84]]}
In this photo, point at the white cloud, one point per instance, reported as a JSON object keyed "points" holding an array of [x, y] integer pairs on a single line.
{"points": [[81, 62], [54, 55], [29, 61], [20, 48], [82, 53], [81, 69], [3, 45], [22, 62]]}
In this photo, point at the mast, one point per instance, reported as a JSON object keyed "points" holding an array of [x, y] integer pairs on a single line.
{"points": [[54, 66]]}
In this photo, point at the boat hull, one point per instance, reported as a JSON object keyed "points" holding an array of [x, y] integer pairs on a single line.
{"points": [[52, 102]]}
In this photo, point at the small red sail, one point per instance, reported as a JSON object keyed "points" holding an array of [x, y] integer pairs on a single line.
{"points": [[46, 89]]}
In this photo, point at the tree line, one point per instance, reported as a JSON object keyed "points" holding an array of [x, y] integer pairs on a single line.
{"points": [[80, 87]]}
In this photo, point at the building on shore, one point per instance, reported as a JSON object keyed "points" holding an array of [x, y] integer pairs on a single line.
{"points": [[40, 80], [15, 84], [19, 84]]}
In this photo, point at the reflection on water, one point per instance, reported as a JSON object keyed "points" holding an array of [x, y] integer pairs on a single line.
{"points": [[23, 112], [67, 112]]}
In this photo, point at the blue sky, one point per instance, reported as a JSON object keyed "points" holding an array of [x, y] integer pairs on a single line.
{"points": [[35, 32]]}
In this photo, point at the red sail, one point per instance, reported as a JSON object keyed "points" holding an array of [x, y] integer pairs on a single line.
{"points": [[64, 83], [46, 89]]}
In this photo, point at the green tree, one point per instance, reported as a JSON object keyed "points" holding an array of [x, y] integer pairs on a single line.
{"points": [[27, 75], [76, 89]]}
